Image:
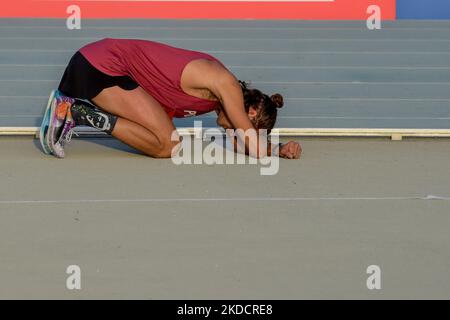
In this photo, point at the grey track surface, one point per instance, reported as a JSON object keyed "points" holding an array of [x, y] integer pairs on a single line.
{"points": [[145, 228], [312, 248], [332, 74]]}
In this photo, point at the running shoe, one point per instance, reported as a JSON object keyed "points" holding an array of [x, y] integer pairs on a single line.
{"points": [[60, 107], [45, 124]]}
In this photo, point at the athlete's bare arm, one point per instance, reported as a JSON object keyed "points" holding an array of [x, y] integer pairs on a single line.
{"points": [[206, 74]]}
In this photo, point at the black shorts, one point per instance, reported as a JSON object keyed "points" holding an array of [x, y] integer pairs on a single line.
{"points": [[83, 81]]}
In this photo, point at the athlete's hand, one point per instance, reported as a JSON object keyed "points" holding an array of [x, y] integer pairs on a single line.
{"points": [[290, 150]]}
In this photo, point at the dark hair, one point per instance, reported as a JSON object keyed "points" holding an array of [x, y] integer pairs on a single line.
{"points": [[265, 106]]}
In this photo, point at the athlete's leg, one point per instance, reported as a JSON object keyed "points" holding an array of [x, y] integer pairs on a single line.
{"points": [[142, 122]]}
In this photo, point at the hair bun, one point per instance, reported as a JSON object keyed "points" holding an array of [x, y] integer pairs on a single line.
{"points": [[277, 99]]}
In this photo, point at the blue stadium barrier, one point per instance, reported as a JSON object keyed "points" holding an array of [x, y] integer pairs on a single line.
{"points": [[423, 9]]}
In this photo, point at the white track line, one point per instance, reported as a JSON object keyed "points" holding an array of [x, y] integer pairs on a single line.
{"points": [[168, 200]]}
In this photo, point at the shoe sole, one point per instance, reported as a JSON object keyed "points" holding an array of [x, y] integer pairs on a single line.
{"points": [[45, 124], [52, 128]]}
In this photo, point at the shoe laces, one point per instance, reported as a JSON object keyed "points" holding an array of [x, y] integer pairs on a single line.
{"points": [[68, 136]]}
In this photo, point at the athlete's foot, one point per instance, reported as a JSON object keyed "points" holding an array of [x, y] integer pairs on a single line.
{"points": [[45, 124], [60, 108], [65, 136]]}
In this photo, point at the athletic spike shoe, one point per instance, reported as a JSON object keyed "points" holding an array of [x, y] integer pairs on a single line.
{"points": [[60, 107], [45, 124], [66, 136]]}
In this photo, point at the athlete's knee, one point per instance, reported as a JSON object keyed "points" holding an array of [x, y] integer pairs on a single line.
{"points": [[166, 148]]}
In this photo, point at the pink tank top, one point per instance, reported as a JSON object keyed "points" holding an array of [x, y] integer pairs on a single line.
{"points": [[156, 67]]}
